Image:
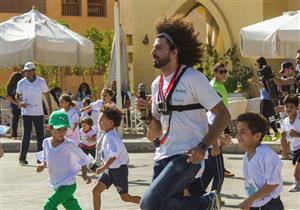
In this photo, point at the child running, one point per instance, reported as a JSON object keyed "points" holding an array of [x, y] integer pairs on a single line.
{"points": [[290, 130], [261, 165], [94, 114], [67, 105], [114, 167], [64, 160], [88, 136]]}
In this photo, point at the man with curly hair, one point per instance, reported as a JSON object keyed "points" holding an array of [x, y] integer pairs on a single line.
{"points": [[180, 97]]}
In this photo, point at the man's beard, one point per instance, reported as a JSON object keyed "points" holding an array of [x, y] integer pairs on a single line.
{"points": [[31, 79], [159, 63]]}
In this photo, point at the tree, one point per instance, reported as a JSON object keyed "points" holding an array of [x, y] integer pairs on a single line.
{"points": [[231, 59], [102, 44]]}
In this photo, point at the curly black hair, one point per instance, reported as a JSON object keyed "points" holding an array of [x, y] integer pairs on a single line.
{"points": [[113, 113], [185, 39]]}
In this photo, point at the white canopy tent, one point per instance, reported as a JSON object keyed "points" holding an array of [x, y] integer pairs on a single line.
{"points": [[35, 37], [123, 65], [278, 37]]}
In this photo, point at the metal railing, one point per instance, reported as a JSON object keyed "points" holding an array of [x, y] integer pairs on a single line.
{"points": [[97, 9], [132, 120], [71, 8], [132, 124]]}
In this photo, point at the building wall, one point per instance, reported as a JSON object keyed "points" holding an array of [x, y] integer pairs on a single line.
{"points": [[79, 24], [139, 18]]}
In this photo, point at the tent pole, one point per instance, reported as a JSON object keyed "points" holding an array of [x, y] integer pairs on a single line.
{"points": [[118, 61]]}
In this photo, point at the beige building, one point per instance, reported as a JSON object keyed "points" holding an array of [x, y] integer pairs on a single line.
{"points": [[80, 15], [218, 22]]}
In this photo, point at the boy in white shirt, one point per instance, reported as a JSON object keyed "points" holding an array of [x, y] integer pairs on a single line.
{"points": [[290, 130], [261, 165], [114, 168], [64, 160]]}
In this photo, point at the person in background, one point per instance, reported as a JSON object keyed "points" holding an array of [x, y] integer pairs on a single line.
{"points": [[83, 92], [29, 95], [297, 68], [68, 106], [64, 160], [290, 131], [14, 105], [125, 97], [87, 136], [267, 106], [88, 111], [1, 151], [56, 93], [106, 99], [261, 165], [220, 76], [287, 70]]}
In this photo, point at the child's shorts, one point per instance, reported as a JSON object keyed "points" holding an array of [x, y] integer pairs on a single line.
{"points": [[274, 204], [116, 176], [296, 157]]}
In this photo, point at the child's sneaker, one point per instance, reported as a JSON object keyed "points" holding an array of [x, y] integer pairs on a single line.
{"points": [[215, 200], [295, 187]]}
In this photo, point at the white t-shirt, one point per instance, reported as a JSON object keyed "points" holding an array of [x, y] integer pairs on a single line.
{"points": [[32, 95], [286, 127], [84, 136], [96, 107], [64, 162], [188, 127], [72, 134], [264, 168], [113, 146]]}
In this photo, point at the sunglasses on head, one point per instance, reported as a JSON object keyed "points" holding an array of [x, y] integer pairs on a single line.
{"points": [[222, 71]]}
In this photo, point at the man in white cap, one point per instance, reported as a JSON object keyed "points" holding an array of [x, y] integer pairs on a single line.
{"points": [[29, 94]]}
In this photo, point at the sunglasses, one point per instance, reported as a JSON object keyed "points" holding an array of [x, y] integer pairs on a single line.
{"points": [[222, 71]]}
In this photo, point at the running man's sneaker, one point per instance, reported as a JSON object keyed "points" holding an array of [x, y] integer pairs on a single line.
{"points": [[215, 200], [228, 173], [23, 162], [276, 137], [295, 187], [267, 138]]}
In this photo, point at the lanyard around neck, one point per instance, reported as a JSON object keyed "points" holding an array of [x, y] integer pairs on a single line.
{"points": [[161, 94]]}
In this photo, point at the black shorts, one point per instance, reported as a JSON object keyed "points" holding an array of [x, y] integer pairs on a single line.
{"points": [[296, 157], [116, 176], [274, 204], [267, 109]]}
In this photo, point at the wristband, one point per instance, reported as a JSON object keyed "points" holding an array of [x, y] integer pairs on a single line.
{"points": [[203, 146]]}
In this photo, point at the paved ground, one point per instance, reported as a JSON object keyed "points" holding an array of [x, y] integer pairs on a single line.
{"points": [[22, 188]]}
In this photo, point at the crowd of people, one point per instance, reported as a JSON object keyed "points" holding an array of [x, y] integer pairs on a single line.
{"points": [[187, 120]]}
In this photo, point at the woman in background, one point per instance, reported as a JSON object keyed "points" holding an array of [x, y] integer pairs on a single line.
{"points": [[83, 92], [15, 109]]}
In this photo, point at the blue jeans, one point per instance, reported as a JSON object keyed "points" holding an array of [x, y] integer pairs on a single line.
{"points": [[38, 122], [165, 192]]}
